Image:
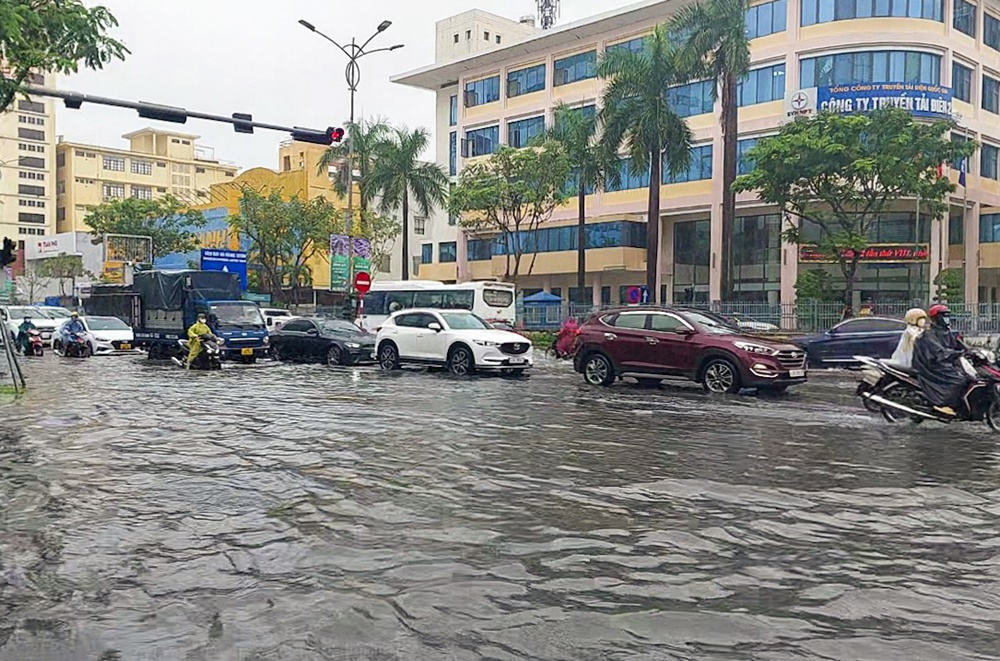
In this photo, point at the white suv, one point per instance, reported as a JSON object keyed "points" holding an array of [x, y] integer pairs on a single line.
{"points": [[456, 339]]}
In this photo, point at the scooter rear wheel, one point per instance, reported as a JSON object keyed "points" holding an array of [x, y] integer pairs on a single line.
{"points": [[993, 415], [897, 393]]}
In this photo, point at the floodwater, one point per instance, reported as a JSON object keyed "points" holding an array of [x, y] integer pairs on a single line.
{"points": [[300, 512]]}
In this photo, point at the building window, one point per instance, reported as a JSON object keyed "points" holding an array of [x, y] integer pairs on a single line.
{"points": [[452, 154], [142, 192], [762, 85], [32, 162], [185, 142], [468, 35], [964, 19], [142, 167], [692, 99], [24, 189], [31, 218], [113, 191], [446, 252], [480, 142], [824, 11], [420, 225], [988, 161], [482, 91], [575, 67], [699, 169], [452, 217], [628, 180], [498, 39], [60, 188], [31, 106], [486, 36], [961, 82], [61, 214], [991, 95], [61, 160], [520, 133], [39, 204], [989, 228], [427, 253], [636, 45], [615, 234], [26, 119], [767, 18], [456, 37], [991, 31], [743, 164], [589, 112], [525, 81], [86, 182], [114, 163], [38, 149], [756, 256], [36, 78], [31, 134], [692, 256], [35, 176], [453, 110], [871, 67]]}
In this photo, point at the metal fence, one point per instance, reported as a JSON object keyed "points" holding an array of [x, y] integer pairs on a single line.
{"points": [[803, 317]]}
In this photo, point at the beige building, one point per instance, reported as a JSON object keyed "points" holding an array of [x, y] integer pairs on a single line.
{"points": [[27, 167], [156, 163]]}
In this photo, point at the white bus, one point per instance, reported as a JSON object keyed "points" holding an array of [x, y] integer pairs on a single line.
{"points": [[489, 300]]}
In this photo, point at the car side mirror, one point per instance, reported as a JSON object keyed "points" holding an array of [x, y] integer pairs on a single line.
{"points": [[434, 326], [684, 331], [312, 331]]}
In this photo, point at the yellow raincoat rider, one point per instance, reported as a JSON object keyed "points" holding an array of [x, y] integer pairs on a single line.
{"points": [[197, 329]]}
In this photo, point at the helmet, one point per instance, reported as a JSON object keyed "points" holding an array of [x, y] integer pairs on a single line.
{"points": [[914, 316], [940, 314], [74, 314]]}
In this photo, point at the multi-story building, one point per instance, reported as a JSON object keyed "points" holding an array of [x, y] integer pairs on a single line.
{"points": [[889, 49], [27, 167], [156, 163]]}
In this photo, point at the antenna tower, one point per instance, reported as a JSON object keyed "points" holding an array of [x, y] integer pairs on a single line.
{"points": [[548, 12]]}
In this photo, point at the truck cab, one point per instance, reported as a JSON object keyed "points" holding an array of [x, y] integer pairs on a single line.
{"points": [[242, 329]]}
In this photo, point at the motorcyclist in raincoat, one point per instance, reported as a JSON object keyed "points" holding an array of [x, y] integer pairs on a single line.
{"points": [[72, 327], [916, 320], [195, 333], [23, 341], [936, 358]]}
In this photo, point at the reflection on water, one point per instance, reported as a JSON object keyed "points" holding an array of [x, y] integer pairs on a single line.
{"points": [[284, 512]]}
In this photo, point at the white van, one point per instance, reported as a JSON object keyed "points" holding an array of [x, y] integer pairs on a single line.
{"points": [[275, 318]]}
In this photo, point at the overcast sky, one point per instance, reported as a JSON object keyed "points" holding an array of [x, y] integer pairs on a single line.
{"points": [[226, 56]]}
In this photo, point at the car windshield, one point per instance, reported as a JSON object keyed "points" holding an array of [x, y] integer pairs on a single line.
{"points": [[106, 324], [337, 327], [710, 324], [56, 313], [19, 313], [459, 321], [238, 315]]}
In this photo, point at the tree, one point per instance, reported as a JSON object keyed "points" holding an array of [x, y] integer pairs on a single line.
{"points": [[398, 175], [635, 112], [284, 236], [591, 163], [364, 143], [32, 282], [838, 174], [63, 268], [51, 36], [381, 231], [166, 220], [509, 194], [716, 38]]}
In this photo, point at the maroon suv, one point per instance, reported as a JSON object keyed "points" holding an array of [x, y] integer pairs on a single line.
{"points": [[651, 344]]}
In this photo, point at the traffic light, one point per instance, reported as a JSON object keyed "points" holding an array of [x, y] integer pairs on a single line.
{"points": [[8, 254], [327, 137]]}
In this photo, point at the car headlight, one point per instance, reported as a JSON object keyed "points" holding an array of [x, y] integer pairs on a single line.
{"points": [[102, 339], [486, 343], [220, 342], [352, 345], [267, 340], [756, 348]]}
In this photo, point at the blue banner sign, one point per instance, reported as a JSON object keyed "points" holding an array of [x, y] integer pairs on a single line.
{"points": [[931, 101], [229, 261]]}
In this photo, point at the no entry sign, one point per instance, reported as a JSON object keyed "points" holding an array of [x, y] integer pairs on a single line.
{"points": [[362, 282]]}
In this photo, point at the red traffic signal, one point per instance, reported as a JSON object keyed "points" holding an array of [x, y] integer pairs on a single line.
{"points": [[336, 134], [327, 137]]}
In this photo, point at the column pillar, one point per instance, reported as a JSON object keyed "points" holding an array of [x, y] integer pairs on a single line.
{"points": [[596, 298], [938, 250], [716, 256], [971, 261], [461, 257]]}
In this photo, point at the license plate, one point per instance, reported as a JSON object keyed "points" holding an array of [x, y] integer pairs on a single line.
{"points": [[246, 352], [126, 346], [46, 336], [516, 361], [797, 374]]}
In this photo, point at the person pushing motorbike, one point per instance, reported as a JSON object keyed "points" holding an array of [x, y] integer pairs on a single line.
{"points": [[936, 357], [23, 339], [198, 330]]}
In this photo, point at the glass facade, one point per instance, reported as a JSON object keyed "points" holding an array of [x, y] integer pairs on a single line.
{"points": [[762, 85], [767, 18], [572, 186], [525, 81], [991, 31], [453, 110], [692, 99], [692, 258], [635, 45], [615, 234], [427, 253], [961, 82], [479, 142], [824, 11], [629, 180], [452, 154], [756, 258], [956, 230], [989, 228], [991, 94], [520, 133], [964, 17], [575, 67], [743, 164], [446, 252], [988, 161], [479, 92], [871, 67], [700, 167]]}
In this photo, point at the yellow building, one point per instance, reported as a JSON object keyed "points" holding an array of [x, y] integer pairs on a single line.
{"points": [[156, 163]]}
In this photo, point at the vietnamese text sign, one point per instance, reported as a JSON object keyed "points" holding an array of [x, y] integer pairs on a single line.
{"points": [[228, 261], [883, 253], [920, 99], [340, 265]]}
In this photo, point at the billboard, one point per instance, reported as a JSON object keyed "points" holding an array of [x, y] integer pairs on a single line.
{"points": [[227, 261], [50, 246], [922, 100], [887, 253]]}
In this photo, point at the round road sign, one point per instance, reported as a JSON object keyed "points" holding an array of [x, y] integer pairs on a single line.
{"points": [[362, 282]]}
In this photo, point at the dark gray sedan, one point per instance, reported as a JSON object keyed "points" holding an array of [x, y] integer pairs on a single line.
{"points": [[330, 341]]}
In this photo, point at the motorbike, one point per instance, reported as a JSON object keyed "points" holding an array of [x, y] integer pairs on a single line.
{"points": [[30, 343], [565, 345], [75, 346], [901, 395], [887, 379], [209, 359]]}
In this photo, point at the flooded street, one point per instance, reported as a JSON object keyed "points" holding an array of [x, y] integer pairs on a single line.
{"points": [[300, 512]]}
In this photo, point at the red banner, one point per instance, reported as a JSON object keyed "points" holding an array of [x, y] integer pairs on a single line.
{"points": [[882, 253]]}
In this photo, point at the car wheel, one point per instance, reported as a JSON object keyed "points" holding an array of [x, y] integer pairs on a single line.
{"points": [[461, 361], [388, 356], [721, 376], [334, 356], [598, 370], [276, 353]]}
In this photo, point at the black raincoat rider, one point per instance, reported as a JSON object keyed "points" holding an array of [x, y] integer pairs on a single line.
{"points": [[936, 359]]}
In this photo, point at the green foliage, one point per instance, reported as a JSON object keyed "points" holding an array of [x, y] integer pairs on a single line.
{"points": [[382, 231], [62, 268], [511, 192], [51, 36], [951, 284], [840, 173], [166, 220], [816, 285], [363, 143]]}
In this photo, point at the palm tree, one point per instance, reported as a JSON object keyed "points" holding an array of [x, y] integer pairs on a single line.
{"points": [[398, 174], [635, 112], [366, 140], [591, 162], [716, 38]]}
